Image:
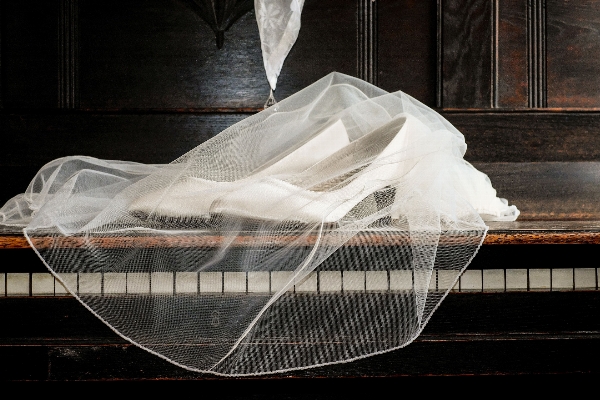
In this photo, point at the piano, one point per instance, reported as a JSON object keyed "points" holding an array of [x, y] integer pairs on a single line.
{"points": [[144, 81]]}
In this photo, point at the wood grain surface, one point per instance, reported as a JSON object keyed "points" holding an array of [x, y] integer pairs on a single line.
{"points": [[32, 139], [573, 53], [548, 190], [529, 136], [470, 334], [29, 54], [556, 232], [467, 52], [512, 54], [407, 48]]}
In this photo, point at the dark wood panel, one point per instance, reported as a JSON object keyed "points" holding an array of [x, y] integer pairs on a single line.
{"points": [[407, 47], [573, 53], [525, 365], [512, 54], [467, 53], [157, 54], [160, 54], [527, 137], [440, 358], [548, 190], [156, 138], [63, 320], [516, 256], [468, 334], [21, 260], [35, 139], [29, 364], [29, 53], [60, 320]]}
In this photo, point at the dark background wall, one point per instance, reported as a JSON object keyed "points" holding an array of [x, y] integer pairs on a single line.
{"points": [[143, 80]]}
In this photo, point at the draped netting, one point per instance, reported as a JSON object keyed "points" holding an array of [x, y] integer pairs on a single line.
{"points": [[324, 229]]}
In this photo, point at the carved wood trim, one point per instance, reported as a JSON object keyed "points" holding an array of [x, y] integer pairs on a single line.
{"points": [[536, 53], [68, 54], [367, 40], [494, 54], [440, 55]]}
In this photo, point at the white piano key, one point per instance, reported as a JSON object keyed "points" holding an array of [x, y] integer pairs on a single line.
{"points": [[422, 280], [585, 278], [493, 280], [115, 283], [516, 279], [186, 282], [562, 279], [446, 279], [433, 281], [161, 283], [17, 284], [376, 281], [456, 286], [258, 282], [42, 284], [2, 284], [309, 284], [70, 280], [353, 281], [539, 279], [401, 280], [90, 283], [138, 283], [279, 279], [471, 281], [234, 282], [330, 281], [211, 282]]}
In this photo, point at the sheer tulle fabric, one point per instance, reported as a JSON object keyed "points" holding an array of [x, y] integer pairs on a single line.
{"points": [[322, 230]]}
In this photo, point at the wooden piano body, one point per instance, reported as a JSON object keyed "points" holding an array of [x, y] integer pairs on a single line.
{"points": [[144, 81]]}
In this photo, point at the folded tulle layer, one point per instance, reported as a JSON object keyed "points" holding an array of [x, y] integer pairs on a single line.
{"points": [[326, 229]]}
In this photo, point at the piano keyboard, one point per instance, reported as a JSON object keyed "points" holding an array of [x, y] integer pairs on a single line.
{"points": [[189, 283]]}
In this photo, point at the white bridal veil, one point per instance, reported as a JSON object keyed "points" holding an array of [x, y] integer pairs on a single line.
{"points": [[322, 230]]}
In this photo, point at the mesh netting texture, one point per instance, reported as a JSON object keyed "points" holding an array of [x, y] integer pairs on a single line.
{"points": [[324, 229]]}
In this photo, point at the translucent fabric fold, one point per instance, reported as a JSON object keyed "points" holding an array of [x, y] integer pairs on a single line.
{"points": [[278, 26], [323, 230]]}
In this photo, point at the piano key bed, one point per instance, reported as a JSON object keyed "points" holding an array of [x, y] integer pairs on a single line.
{"points": [[544, 274], [530, 294]]}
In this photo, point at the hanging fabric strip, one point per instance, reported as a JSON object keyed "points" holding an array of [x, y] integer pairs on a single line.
{"points": [[278, 26]]}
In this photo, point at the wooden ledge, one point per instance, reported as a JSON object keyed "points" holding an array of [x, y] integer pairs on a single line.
{"points": [[500, 233], [543, 232]]}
